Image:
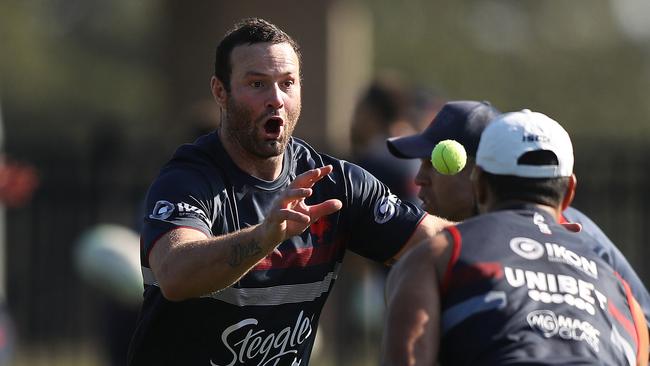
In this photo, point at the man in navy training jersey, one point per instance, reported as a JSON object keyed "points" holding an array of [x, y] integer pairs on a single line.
{"points": [[450, 196], [246, 228], [511, 286]]}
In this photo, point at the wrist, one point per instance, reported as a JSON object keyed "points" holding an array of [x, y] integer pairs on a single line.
{"points": [[260, 234]]}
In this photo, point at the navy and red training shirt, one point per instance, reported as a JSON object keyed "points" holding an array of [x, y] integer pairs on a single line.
{"points": [[522, 290], [271, 315]]}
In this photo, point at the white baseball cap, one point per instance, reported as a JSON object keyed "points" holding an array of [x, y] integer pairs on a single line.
{"points": [[511, 135]]}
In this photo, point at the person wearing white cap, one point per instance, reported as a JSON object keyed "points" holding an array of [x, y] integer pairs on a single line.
{"points": [[511, 285], [451, 197]]}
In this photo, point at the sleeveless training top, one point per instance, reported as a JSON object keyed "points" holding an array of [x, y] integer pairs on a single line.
{"points": [[523, 290]]}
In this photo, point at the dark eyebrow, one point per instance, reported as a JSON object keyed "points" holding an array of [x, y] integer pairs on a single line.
{"points": [[261, 74], [255, 73]]}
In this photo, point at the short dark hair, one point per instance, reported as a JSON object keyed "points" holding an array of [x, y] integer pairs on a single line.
{"points": [[248, 31], [388, 98], [546, 191]]}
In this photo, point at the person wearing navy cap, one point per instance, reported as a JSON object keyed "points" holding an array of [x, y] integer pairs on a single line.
{"points": [[448, 196]]}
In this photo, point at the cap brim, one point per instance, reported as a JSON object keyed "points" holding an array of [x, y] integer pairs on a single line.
{"points": [[410, 147]]}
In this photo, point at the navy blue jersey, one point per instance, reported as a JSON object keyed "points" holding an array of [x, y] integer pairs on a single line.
{"points": [[606, 250], [271, 315], [520, 289]]}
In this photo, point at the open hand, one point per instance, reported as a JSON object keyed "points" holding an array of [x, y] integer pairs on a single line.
{"points": [[290, 215]]}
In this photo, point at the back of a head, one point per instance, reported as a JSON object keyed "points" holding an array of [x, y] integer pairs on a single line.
{"points": [[526, 156], [387, 98], [246, 32], [382, 105]]}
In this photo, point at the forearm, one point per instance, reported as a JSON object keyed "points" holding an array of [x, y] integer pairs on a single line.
{"points": [[194, 268], [186, 263]]}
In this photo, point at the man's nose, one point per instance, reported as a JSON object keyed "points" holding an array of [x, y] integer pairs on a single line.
{"points": [[420, 181], [275, 100], [421, 178]]}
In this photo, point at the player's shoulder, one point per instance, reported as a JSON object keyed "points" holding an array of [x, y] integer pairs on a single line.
{"points": [[490, 227], [193, 163], [572, 214], [204, 152], [589, 227], [179, 173], [302, 153], [485, 221], [427, 250], [305, 157]]}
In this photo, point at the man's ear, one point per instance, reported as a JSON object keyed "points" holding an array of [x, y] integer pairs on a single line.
{"points": [[219, 91], [479, 186], [570, 192]]}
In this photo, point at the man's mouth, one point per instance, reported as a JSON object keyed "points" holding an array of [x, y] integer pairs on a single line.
{"points": [[273, 127], [424, 202]]}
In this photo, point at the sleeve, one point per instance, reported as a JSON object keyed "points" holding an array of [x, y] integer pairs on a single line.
{"points": [[613, 256], [177, 198], [380, 222]]}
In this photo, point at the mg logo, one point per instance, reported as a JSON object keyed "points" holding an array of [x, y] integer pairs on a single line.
{"points": [[544, 321]]}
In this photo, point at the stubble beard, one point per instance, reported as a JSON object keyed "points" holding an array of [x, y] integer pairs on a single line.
{"points": [[244, 129]]}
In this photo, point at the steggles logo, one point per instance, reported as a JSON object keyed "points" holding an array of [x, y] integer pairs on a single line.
{"points": [[271, 347]]}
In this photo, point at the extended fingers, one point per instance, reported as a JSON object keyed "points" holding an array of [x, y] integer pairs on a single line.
{"points": [[324, 208], [291, 215], [291, 195], [308, 178]]}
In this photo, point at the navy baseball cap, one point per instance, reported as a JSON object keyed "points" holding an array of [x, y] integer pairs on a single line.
{"points": [[462, 120]]}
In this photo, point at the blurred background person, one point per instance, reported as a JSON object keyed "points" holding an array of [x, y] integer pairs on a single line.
{"points": [[388, 106], [449, 196], [380, 113]]}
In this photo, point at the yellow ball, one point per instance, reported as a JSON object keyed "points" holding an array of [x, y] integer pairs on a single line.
{"points": [[448, 157]]}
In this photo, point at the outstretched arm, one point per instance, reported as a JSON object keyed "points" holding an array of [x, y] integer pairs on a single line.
{"points": [[186, 263], [412, 329]]}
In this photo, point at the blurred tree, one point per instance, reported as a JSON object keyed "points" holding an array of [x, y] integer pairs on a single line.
{"points": [[575, 65], [66, 61]]}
